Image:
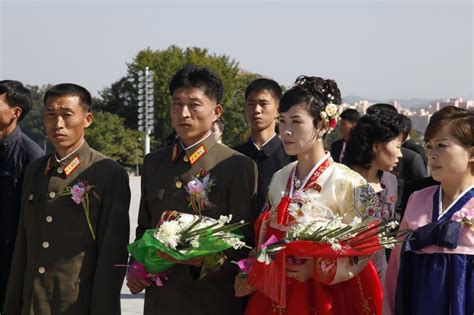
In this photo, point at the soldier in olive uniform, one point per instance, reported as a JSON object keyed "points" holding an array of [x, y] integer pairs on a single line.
{"points": [[74, 223], [196, 93]]}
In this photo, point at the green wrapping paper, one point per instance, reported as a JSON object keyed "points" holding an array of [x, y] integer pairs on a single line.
{"points": [[144, 250]]}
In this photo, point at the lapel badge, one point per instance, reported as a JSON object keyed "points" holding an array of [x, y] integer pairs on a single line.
{"points": [[197, 154], [30, 197], [179, 184], [72, 166]]}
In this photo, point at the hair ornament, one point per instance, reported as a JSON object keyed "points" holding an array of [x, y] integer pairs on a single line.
{"points": [[330, 114]]}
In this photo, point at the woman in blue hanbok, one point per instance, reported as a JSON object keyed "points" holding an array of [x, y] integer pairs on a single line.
{"points": [[432, 272]]}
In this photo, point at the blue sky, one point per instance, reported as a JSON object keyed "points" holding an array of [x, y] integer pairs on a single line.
{"points": [[374, 49]]}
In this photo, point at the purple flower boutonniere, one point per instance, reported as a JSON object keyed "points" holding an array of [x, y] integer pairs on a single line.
{"points": [[80, 195], [198, 190]]}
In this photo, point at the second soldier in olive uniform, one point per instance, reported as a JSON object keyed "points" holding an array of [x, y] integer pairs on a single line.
{"points": [[196, 93], [61, 264]]}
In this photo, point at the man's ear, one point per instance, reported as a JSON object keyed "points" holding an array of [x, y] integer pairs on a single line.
{"points": [[88, 119], [217, 112], [17, 112]]}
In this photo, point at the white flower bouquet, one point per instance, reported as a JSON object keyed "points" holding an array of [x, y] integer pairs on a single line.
{"points": [[185, 236]]}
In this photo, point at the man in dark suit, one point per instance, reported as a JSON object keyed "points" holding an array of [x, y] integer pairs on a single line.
{"points": [[409, 143], [67, 244], [262, 97], [17, 151], [410, 167], [196, 94], [349, 118]]}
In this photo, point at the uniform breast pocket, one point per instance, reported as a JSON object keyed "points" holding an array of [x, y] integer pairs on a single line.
{"points": [[30, 204], [155, 199]]}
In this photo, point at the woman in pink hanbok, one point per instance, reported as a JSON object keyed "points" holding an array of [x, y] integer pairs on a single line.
{"points": [[433, 271]]}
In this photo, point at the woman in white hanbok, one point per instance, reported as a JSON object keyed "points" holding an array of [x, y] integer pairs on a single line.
{"points": [[315, 285]]}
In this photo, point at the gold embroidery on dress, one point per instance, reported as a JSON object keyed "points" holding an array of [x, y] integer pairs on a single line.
{"points": [[278, 308], [365, 302]]}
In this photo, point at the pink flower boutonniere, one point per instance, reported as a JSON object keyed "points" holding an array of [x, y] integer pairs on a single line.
{"points": [[465, 216], [80, 195], [198, 190]]}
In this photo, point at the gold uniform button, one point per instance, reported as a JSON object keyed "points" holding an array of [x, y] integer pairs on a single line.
{"points": [[41, 270], [185, 158], [60, 170], [179, 184], [45, 244], [49, 219], [52, 194]]}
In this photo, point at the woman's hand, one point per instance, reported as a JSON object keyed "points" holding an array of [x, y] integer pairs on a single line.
{"points": [[300, 268], [241, 286]]}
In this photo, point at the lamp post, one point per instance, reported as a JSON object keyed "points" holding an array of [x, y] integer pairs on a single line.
{"points": [[145, 105]]}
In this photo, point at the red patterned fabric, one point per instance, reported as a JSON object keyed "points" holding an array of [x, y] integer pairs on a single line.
{"points": [[359, 295]]}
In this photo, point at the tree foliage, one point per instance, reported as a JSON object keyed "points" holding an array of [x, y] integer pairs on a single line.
{"points": [[122, 97], [108, 135], [32, 123]]}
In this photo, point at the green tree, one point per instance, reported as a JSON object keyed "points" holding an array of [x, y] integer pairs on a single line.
{"points": [[108, 135], [121, 97], [32, 123]]}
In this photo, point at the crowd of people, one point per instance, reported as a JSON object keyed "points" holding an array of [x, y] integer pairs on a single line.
{"points": [[64, 215]]}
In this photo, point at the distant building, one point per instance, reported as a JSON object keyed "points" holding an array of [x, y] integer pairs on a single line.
{"points": [[420, 120], [361, 106], [457, 102]]}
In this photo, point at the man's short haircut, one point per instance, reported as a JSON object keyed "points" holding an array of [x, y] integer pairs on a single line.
{"points": [[351, 115], [192, 76], [70, 89], [17, 95], [263, 84]]}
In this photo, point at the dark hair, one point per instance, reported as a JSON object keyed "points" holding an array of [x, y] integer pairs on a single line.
{"points": [[70, 89], [371, 129], [198, 77], [376, 108], [407, 125], [17, 95], [460, 123], [314, 92], [263, 84], [351, 115]]}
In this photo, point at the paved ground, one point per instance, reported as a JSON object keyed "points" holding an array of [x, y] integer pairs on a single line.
{"points": [[132, 304]]}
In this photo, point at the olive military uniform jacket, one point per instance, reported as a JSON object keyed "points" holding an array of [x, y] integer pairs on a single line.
{"points": [[166, 172], [58, 267]]}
